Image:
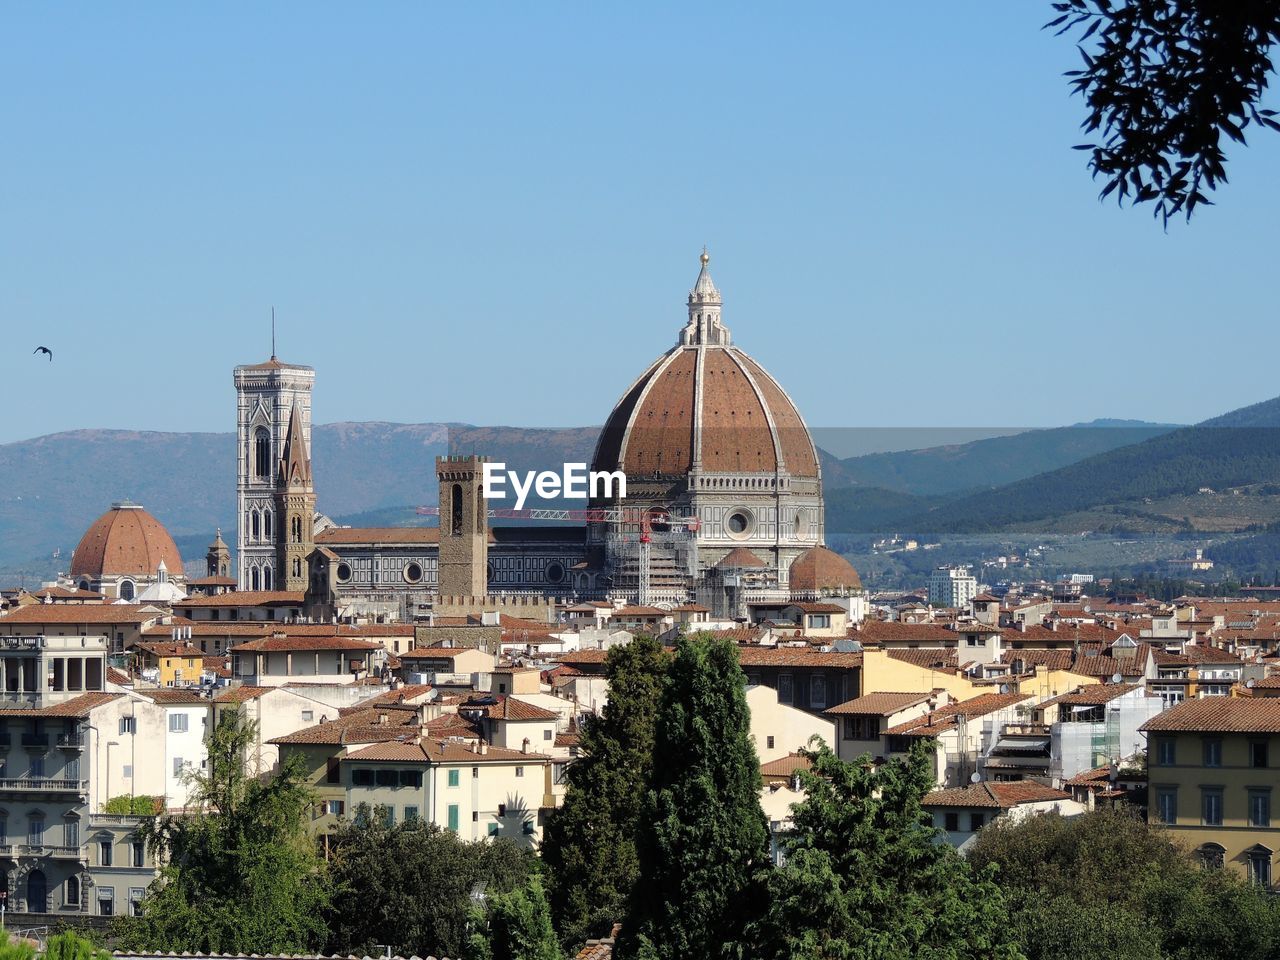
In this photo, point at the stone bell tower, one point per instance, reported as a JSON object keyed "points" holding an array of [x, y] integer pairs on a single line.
{"points": [[464, 527], [296, 508]]}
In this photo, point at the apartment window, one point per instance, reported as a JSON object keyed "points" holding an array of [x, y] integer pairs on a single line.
{"points": [[548, 734], [1257, 753], [1260, 866], [104, 853], [818, 691], [769, 742], [1259, 807], [1212, 751], [37, 766], [410, 814], [177, 766], [454, 776], [106, 901], [389, 816], [362, 778], [1211, 806], [411, 778], [72, 897], [71, 833], [1167, 805], [519, 771], [1166, 752], [308, 716], [861, 728], [387, 778], [977, 821], [177, 723], [785, 692], [453, 817], [128, 726], [952, 821], [493, 829], [335, 808], [820, 620], [136, 895], [333, 772], [139, 851], [128, 771], [35, 831]]}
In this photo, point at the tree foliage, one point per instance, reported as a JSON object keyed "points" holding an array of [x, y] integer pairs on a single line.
{"points": [[866, 879], [130, 806], [13, 948], [519, 926], [1164, 81], [1107, 884], [588, 845], [241, 874], [70, 945], [703, 841], [409, 886]]}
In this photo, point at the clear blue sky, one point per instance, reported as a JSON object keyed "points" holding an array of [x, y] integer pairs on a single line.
{"points": [[492, 213]]}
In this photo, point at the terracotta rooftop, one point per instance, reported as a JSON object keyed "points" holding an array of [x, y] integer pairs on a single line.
{"points": [[507, 708], [929, 659], [244, 598], [441, 751], [786, 766], [295, 644], [126, 540], [819, 568], [173, 695], [76, 707], [86, 613], [357, 535], [797, 657], [66, 593], [878, 704], [372, 725], [994, 794], [944, 718], [1093, 694], [741, 558], [1219, 715]]}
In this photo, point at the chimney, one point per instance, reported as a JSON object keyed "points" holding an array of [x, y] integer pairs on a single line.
{"points": [[524, 747], [484, 747]]}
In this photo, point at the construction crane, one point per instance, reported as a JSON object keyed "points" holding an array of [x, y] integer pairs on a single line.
{"points": [[653, 522]]}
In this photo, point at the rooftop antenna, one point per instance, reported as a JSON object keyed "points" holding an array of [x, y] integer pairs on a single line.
{"points": [[273, 333]]}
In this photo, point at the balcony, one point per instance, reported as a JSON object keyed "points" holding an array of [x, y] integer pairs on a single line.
{"points": [[71, 741], [43, 785], [41, 850], [1025, 730]]}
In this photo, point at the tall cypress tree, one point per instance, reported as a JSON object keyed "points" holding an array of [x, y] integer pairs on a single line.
{"points": [[589, 844], [703, 842]]}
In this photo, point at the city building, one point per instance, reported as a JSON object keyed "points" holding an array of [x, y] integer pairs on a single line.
{"points": [[952, 587]]}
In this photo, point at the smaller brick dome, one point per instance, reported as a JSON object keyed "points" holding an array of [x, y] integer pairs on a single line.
{"points": [[125, 541], [819, 569]]}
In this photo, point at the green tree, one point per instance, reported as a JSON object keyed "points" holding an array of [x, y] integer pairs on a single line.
{"points": [[866, 879], [520, 925], [409, 886], [139, 806], [703, 841], [241, 873], [588, 845], [69, 945], [1107, 881], [1164, 82]]}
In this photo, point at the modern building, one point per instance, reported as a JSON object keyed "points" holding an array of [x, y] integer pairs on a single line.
{"points": [[1213, 765], [952, 587]]}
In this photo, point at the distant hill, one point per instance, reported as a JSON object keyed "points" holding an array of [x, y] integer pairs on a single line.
{"points": [[1142, 486], [986, 463]]}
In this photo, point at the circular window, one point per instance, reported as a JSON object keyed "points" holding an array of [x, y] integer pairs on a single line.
{"points": [[344, 572], [555, 571], [412, 572], [738, 523]]}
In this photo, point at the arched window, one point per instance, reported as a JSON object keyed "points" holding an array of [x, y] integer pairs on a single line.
{"points": [[1211, 855], [266, 524], [73, 891], [262, 454], [266, 578], [457, 510], [126, 589], [254, 582], [296, 529], [37, 892], [255, 528], [297, 567]]}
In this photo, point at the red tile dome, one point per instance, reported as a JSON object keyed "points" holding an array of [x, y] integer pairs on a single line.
{"points": [[125, 541]]}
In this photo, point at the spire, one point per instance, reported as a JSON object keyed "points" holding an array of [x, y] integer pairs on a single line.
{"points": [[295, 464], [704, 324]]}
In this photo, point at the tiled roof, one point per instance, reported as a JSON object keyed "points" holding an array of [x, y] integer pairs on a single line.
{"points": [[1098, 776], [244, 598], [596, 950], [812, 606], [374, 725], [928, 659], [584, 656], [118, 677], [171, 649], [994, 794], [819, 568], [639, 611], [173, 695], [86, 613], [241, 693], [1219, 715], [507, 708], [441, 751], [410, 691], [125, 540], [75, 707], [797, 657], [435, 653], [740, 557], [67, 593], [282, 644], [359, 535], [873, 631], [1093, 694], [879, 704], [786, 766], [944, 718]]}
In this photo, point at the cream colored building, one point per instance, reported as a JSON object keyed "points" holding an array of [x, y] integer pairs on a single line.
{"points": [[861, 723], [276, 712], [779, 729]]}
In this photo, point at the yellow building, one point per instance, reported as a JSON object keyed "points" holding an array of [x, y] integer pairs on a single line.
{"points": [[1212, 766], [176, 663]]}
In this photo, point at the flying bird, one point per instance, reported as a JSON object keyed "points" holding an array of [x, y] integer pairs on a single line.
{"points": [[44, 350]]}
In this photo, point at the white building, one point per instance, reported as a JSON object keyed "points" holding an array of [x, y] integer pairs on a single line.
{"points": [[952, 587]]}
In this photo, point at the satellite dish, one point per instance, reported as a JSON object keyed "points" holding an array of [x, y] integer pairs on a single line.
{"points": [[975, 778], [1116, 678], [1250, 682], [1004, 688]]}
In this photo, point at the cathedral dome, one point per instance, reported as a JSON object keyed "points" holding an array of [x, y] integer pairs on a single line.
{"points": [[706, 404], [125, 541], [820, 570]]}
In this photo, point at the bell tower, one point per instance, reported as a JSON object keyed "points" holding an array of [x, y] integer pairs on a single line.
{"points": [[464, 527], [218, 559], [296, 507]]}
